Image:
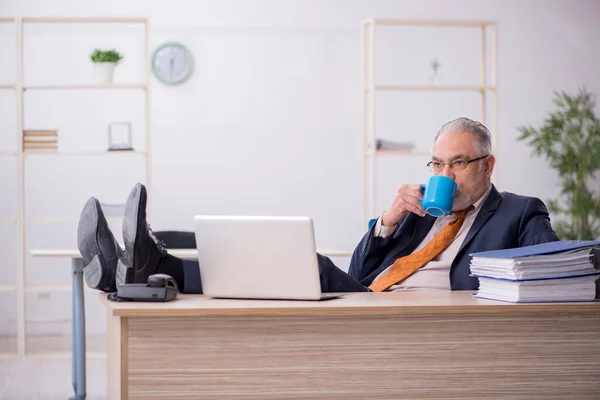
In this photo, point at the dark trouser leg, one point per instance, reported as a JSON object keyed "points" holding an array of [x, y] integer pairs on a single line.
{"points": [[334, 279], [191, 273], [187, 276], [185, 272]]}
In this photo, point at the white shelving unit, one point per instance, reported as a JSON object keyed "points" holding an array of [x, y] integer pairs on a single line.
{"points": [[371, 86], [20, 88], [17, 159]]}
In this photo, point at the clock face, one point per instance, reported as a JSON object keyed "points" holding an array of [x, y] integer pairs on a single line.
{"points": [[172, 63]]}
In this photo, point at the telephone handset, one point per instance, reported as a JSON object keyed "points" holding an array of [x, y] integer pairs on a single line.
{"points": [[160, 288]]}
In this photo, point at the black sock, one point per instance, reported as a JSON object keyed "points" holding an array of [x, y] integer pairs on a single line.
{"points": [[172, 266]]}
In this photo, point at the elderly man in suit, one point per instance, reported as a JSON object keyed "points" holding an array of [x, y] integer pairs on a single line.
{"points": [[406, 249], [488, 219]]}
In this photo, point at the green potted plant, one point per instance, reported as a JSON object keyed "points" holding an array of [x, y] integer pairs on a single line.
{"points": [[105, 62], [570, 140]]}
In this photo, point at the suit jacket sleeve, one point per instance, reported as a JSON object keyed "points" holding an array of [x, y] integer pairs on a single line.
{"points": [[371, 251], [535, 227]]}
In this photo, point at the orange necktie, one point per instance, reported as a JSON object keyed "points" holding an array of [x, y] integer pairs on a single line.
{"points": [[407, 265]]}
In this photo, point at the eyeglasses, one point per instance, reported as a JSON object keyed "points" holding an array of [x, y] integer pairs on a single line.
{"points": [[458, 165]]}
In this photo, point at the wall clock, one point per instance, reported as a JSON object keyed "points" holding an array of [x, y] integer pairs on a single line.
{"points": [[172, 63]]}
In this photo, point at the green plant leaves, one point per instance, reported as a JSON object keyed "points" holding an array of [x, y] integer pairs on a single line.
{"points": [[106, 56], [569, 140]]}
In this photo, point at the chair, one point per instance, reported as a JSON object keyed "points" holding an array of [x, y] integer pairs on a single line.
{"points": [[177, 239]]}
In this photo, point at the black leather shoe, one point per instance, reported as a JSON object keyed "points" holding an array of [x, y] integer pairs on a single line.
{"points": [[98, 247], [143, 251]]}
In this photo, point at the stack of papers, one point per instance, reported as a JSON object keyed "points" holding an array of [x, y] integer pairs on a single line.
{"points": [[556, 271]]}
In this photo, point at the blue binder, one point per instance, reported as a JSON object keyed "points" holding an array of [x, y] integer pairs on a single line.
{"points": [[539, 249]]}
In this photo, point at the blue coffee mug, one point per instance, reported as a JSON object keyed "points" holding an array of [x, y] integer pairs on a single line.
{"points": [[438, 195]]}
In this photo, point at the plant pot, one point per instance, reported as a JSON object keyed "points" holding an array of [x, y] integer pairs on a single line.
{"points": [[104, 72]]}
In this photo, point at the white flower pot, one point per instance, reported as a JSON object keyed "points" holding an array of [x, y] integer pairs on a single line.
{"points": [[104, 72]]}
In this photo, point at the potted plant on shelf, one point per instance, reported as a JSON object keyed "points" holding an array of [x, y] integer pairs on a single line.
{"points": [[105, 62], [570, 141]]}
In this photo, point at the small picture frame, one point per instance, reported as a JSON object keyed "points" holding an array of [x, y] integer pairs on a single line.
{"points": [[119, 136]]}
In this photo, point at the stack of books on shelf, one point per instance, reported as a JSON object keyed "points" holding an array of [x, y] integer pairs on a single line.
{"points": [[549, 272], [389, 145], [40, 140]]}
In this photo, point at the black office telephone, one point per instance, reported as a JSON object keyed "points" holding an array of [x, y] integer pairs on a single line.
{"points": [[160, 288]]}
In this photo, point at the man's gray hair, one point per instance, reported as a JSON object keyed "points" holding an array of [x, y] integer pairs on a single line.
{"points": [[483, 138]]}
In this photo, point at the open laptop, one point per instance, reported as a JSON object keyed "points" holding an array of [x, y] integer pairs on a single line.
{"points": [[251, 257]]}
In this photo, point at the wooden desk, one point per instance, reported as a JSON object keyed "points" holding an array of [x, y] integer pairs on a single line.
{"points": [[78, 306], [366, 345]]}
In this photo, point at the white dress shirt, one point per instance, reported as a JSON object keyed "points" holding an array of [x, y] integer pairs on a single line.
{"points": [[435, 275]]}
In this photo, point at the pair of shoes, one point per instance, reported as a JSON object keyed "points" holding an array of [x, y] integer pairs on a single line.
{"points": [[106, 264]]}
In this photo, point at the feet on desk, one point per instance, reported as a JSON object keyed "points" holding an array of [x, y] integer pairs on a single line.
{"points": [[143, 251], [98, 247]]}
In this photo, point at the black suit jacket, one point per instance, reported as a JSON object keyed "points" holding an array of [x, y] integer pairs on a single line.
{"points": [[505, 220]]}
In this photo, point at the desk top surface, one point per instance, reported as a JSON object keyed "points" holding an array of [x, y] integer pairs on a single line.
{"points": [[74, 253], [190, 254], [414, 302]]}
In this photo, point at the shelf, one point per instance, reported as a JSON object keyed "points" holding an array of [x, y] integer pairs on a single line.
{"points": [[85, 20], [401, 152], [6, 86], [8, 221], [81, 86], [30, 153], [433, 88], [55, 253], [8, 153], [8, 288], [8, 20], [438, 23], [48, 288]]}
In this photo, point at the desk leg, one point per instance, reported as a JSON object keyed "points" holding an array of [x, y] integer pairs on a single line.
{"points": [[78, 330]]}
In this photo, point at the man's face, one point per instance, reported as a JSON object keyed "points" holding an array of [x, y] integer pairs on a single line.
{"points": [[474, 179]]}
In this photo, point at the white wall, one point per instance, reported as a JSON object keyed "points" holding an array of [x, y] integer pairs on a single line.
{"points": [[270, 122]]}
